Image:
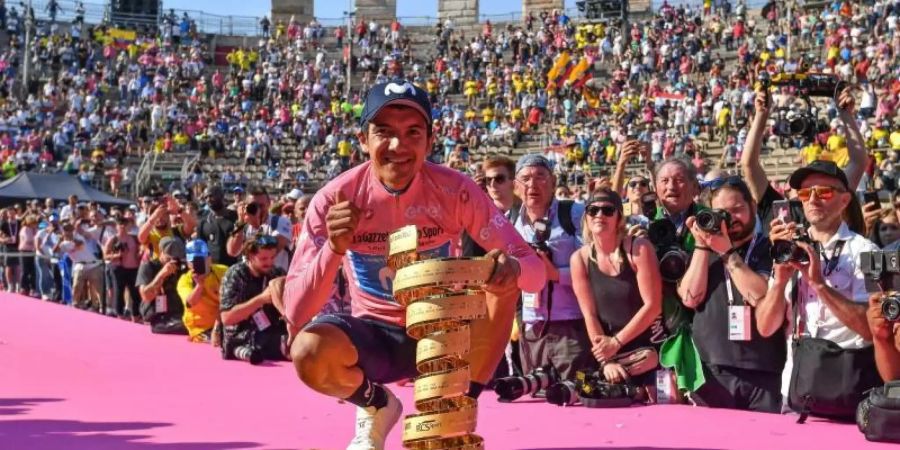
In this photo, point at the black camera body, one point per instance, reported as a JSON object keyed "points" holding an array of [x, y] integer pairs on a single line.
{"points": [[593, 391], [541, 236], [881, 271], [710, 220], [673, 260], [783, 252], [252, 209], [648, 205], [797, 123]]}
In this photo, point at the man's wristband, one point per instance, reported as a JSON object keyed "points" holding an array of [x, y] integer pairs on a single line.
{"points": [[705, 249]]}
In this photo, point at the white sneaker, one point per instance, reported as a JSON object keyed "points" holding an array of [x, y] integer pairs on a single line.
{"points": [[373, 425]]}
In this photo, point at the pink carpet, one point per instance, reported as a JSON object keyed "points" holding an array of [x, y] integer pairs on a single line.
{"points": [[76, 380]]}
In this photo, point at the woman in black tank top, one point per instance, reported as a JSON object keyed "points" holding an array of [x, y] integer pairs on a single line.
{"points": [[617, 282]]}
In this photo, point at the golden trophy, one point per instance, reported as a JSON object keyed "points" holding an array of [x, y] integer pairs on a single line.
{"points": [[441, 297]]}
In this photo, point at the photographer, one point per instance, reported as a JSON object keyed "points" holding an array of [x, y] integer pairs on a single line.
{"points": [[885, 339], [734, 330], [216, 226], [755, 175], [87, 272], [254, 218], [254, 330], [617, 282], [198, 289], [122, 254], [159, 224], [158, 278], [831, 296], [553, 330]]}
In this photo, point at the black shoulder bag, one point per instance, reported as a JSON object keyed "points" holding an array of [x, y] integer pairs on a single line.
{"points": [[827, 380], [878, 416]]}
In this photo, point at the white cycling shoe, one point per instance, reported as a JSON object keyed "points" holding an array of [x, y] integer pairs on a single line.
{"points": [[373, 425]]}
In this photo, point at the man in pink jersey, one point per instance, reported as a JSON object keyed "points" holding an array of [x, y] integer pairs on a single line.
{"points": [[347, 225]]}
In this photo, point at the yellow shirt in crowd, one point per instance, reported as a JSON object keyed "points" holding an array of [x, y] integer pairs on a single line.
{"points": [[202, 316]]}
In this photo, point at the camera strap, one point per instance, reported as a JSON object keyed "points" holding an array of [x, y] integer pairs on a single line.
{"points": [[728, 287]]}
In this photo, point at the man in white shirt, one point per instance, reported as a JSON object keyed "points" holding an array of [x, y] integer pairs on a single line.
{"points": [[831, 293], [87, 272], [254, 218]]}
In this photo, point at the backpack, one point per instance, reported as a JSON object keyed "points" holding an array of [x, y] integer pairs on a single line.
{"points": [[563, 213]]}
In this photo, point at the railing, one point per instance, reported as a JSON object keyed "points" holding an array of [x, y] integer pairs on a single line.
{"points": [[143, 174], [96, 13], [189, 164]]}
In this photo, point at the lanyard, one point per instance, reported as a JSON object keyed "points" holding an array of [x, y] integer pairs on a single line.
{"points": [[831, 263], [728, 287]]}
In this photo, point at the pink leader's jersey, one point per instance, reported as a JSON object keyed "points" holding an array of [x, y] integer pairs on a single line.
{"points": [[441, 202]]}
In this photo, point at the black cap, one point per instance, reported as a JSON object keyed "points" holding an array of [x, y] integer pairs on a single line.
{"points": [[606, 195], [828, 168], [395, 92]]}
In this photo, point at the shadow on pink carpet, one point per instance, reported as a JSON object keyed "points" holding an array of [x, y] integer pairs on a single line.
{"points": [[76, 380]]}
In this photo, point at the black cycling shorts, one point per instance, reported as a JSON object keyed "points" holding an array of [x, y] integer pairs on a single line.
{"points": [[386, 353]]}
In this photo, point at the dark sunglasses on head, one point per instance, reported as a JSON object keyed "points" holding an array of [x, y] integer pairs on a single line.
{"points": [[499, 179], [594, 210], [716, 184], [635, 183], [266, 241]]}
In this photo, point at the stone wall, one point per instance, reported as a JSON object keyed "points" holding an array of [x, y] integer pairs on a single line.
{"points": [[302, 10], [536, 6], [461, 12], [380, 10]]}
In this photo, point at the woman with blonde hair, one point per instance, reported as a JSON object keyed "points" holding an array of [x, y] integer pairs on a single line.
{"points": [[29, 229], [619, 289]]}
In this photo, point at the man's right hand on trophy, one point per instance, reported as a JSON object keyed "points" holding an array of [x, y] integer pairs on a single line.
{"points": [[505, 277], [341, 222]]}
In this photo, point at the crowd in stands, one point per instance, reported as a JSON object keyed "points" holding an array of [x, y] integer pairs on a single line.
{"points": [[667, 92]]}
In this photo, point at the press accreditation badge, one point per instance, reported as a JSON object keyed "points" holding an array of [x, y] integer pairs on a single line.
{"points": [[161, 304], [739, 323], [261, 320], [531, 300]]}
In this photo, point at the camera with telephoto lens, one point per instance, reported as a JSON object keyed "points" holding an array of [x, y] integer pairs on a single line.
{"points": [[511, 388], [252, 209], [673, 260], [243, 352], [783, 252], [564, 393], [710, 220], [881, 272]]}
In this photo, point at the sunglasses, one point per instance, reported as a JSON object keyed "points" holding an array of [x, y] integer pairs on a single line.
{"points": [[635, 183], [499, 179], [266, 241], [822, 192], [594, 210], [718, 183]]}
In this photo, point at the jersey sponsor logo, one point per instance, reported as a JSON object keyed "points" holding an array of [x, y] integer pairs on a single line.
{"points": [[380, 238], [375, 278]]}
